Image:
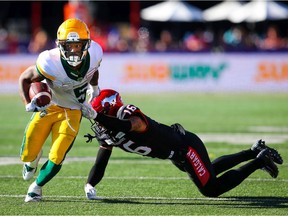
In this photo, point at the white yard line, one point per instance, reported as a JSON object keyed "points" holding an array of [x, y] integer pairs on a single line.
{"points": [[16, 160], [244, 138], [158, 178], [247, 199], [231, 138], [268, 129]]}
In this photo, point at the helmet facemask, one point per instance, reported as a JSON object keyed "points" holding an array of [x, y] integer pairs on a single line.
{"points": [[98, 129], [73, 58]]}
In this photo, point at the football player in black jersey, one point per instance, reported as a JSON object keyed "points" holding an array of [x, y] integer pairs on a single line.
{"points": [[126, 127]]}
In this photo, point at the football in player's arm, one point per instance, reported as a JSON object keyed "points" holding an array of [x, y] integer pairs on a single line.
{"points": [[71, 71], [126, 127]]}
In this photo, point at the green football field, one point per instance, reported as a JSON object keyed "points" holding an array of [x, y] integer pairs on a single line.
{"points": [[134, 185]]}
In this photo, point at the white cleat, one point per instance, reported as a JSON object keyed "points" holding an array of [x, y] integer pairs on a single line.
{"points": [[30, 168], [90, 192], [28, 172], [34, 193]]}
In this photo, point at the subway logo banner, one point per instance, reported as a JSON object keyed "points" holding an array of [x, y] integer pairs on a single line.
{"points": [[187, 72]]}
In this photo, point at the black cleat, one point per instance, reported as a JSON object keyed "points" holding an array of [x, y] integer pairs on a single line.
{"points": [[269, 165], [260, 145]]}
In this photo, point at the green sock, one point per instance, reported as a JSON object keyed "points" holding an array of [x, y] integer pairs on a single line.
{"points": [[47, 172]]}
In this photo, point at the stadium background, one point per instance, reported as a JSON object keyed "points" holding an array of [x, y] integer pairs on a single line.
{"points": [[21, 20], [151, 56]]}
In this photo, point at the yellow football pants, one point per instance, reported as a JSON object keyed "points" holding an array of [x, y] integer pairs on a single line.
{"points": [[63, 124]]}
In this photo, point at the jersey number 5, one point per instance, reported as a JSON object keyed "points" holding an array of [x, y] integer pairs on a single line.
{"points": [[80, 93]]}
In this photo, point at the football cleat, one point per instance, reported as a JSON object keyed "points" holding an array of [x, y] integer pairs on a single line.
{"points": [[28, 172], [90, 192], [260, 145], [34, 193], [30, 168], [269, 165]]}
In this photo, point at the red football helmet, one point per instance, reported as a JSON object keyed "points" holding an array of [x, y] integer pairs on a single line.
{"points": [[108, 102]]}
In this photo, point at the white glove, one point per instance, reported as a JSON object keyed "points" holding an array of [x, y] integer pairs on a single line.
{"points": [[93, 91], [32, 106], [88, 111]]}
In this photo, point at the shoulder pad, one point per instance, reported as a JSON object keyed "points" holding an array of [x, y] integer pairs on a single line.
{"points": [[47, 63], [96, 53]]}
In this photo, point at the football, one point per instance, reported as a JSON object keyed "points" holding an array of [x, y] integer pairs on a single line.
{"points": [[41, 91]]}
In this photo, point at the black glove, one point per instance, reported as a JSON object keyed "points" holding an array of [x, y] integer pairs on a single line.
{"points": [[89, 137]]}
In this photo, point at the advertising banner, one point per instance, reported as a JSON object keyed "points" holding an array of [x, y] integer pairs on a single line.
{"points": [[187, 72]]}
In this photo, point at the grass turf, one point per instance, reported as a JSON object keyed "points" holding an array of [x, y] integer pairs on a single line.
{"points": [[134, 185]]}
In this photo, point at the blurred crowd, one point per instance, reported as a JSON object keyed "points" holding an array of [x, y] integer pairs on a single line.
{"points": [[124, 38]]}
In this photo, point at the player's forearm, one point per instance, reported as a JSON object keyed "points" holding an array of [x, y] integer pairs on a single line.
{"points": [[113, 123], [26, 78], [24, 84]]}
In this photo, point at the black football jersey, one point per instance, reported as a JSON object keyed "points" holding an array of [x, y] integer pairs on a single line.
{"points": [[158, 140]]}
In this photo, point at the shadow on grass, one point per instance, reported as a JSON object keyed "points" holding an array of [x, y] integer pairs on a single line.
{"points": [[226, 202], [260, 202], [229, 202], [247, 202]]}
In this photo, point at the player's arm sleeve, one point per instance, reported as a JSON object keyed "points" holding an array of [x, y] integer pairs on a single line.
{"points": [[113, 123], [97, 171]]}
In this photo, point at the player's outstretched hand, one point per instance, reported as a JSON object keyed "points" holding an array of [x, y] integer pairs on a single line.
{"points": [[88, 111], [93, 91]]}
